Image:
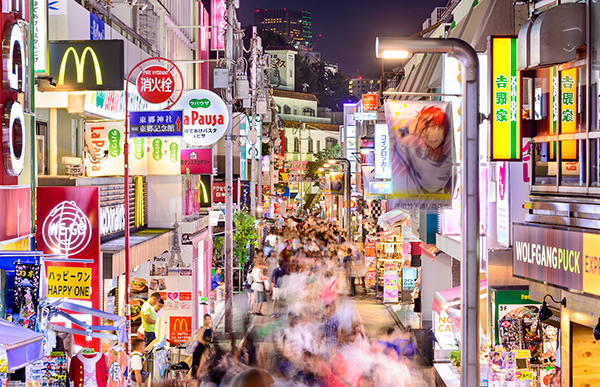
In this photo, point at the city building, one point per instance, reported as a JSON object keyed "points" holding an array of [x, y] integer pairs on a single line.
{"points": [[359, 86], [296, 26]]}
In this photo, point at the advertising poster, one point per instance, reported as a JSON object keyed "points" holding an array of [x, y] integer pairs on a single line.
{"points": [[420, 135], [502, 369], [442, 326], [409, 276], [26, 294], [180, 328], [370, 264], [390, 283]]}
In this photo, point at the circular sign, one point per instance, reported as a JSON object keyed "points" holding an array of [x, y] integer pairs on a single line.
{"points": [[205, 117], [156, 84], [67, 229]]}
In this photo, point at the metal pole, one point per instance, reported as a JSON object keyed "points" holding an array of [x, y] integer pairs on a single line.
{"points": [[253, 121], [271, 180], [229, 179], [126, 205], [462, 51]]}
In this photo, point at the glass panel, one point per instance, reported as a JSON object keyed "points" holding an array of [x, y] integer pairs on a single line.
{"points": [[595, 162], [595, 63], [572, 171], [544, 165]]}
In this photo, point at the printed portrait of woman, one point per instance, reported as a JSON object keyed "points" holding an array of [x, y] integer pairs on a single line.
{"points": [[420, 151]]}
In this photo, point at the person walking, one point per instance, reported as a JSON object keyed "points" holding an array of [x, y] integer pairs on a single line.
{"points": [[258, 285], [204, 336], [350, 268], [277, 288]]}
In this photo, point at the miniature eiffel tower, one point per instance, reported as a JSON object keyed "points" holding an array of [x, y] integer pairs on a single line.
{"points": [[175, 259]]}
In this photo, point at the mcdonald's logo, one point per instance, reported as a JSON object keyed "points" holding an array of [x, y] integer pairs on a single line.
{"points": [[180, 324], [79, 65], [86, 65]]}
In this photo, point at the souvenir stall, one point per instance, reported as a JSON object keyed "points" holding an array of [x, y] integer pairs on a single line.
{"points": [[19, 347]]}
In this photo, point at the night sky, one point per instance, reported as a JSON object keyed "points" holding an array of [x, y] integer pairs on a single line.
{"points": [[349, 27]]}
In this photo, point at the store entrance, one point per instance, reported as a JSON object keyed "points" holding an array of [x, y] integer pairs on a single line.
{"points": [[584, 357]]}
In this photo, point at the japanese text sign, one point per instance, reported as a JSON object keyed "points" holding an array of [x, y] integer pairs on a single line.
{"points": [[505, 100], [198, 161], [369, 102], [557, 256], [156, 84], [383, 166], [180, 328], [568, 111], [70, 282], [158, 123], [205, 117]]}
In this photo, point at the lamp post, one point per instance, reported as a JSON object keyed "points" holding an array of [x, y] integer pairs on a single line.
{"points": [[459, 49], [348, 191]]}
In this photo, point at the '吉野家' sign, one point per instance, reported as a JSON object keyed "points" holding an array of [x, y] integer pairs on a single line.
{"points": [[86, 65], [383, 165], [568, 112], [557, 256], [205, 117], [69, 282], [505, 100]]}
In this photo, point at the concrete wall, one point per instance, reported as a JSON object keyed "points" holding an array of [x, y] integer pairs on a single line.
{"points": [[436, 276]]}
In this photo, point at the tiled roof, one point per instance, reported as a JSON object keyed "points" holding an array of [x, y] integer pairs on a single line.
{"points": [[294, 95]]}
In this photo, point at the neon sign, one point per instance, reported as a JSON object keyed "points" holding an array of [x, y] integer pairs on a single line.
{"points": [[67, 230], [79, 65]]}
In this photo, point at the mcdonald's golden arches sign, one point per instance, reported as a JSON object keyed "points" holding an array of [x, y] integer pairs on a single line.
{"points": [[86, 65]]}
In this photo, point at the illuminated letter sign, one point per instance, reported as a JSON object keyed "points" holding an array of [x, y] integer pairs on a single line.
{"points": [[79, 65], [383, 165], [205, 117], [14, 71], [86, 65], [505, 101], [568, 112], [13, 138], [67, 229]]}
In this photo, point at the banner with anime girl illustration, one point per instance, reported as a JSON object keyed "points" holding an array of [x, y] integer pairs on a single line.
{"points": [[420, 134]]}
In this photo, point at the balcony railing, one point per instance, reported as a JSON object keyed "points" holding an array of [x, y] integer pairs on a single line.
{"points": [[298, 117]]}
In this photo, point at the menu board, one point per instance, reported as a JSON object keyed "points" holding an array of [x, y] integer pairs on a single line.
{"points": [[390, 282]]}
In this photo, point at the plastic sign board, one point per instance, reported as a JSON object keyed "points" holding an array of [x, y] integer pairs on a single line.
{"points": [[390, 283], [409, 277], [97, 28], [86, 65], [218, 15], [365, 116], [568, 112], [197, 161], [160, 123], [69, 282], [369, 102], [180, 328], [383, 165], [40, 37], [381, 188], [205, 117], [442, 328], [505, 100], [156, 84]]}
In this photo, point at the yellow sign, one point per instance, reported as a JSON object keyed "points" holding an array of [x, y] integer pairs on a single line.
{"points": [[523, 354], [591, 263], [69, 282], [79, 65], [568, 112], [506, 101]]}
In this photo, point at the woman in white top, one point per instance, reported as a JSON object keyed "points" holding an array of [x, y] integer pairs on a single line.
{"points": [[258, 285]]}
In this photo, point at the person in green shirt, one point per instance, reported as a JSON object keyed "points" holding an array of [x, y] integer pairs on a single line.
{"points": [[149, 317]]}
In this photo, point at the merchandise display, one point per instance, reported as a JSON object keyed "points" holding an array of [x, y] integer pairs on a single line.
{"points": [[88, 370]]}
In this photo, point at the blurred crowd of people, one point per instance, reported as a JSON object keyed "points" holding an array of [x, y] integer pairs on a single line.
{"points": [[316, 337]]}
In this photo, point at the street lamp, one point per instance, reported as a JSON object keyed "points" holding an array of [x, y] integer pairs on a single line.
{"points": [[459, 49], [348, 193]]}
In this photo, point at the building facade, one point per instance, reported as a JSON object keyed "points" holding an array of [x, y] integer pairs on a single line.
{"points": [[296, 26]]}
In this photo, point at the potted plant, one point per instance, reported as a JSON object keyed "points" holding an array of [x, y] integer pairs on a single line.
{"points": [[454, 357]]}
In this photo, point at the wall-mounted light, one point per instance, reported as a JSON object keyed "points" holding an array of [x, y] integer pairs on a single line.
{"points": [[545, 312]]}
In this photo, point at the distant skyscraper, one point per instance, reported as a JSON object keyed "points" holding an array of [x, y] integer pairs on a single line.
{"points": [[294, 25]]}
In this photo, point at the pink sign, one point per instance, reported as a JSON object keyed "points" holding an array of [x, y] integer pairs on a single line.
{"points": [[451, 218], [198, 161], [218, 12]]}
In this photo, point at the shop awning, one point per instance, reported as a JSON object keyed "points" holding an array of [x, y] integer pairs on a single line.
{"points": [[22, 346], [445, 298], [390, 218], [381, 235]]}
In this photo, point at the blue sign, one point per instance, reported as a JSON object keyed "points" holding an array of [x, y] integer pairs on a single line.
{"points": [[156, 124], [409, 276], [245, 198], [97, 28], [381, 188]]}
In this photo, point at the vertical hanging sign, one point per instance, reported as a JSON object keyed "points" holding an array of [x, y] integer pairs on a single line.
{"points": [[568, 112], [40, 37], [505, 100], [383, 166]]}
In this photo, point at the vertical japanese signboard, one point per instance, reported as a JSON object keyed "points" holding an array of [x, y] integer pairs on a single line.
{"points": [[369, 102], [568, 112], [218, 12], [505, 100], [383, 166], [390, 282]]}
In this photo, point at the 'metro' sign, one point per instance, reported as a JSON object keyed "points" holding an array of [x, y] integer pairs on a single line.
{"points": [[86, 65]]}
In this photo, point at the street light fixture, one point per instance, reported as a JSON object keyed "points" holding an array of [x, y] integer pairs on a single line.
{"points": [[461, 50]]}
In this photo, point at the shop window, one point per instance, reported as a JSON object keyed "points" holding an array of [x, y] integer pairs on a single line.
{"points": [[286, 109]]}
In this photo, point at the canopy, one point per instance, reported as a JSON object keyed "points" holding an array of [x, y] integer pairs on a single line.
{"points": [[392, 217], [442, 298], [22, 346]]}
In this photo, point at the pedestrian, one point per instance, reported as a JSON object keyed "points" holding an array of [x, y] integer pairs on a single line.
{"points": [[149, 317], [350, 268], [216, 280], [137, 368], [258, 285], [277, 287], [204, 336]]}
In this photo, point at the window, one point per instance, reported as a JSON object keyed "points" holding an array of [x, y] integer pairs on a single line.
{"points": [[296, 145], [310, 145], [308, 112], [287, 145], [295, 111], [286, 109], [318, 146], [278, 109], [330, 142]]}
